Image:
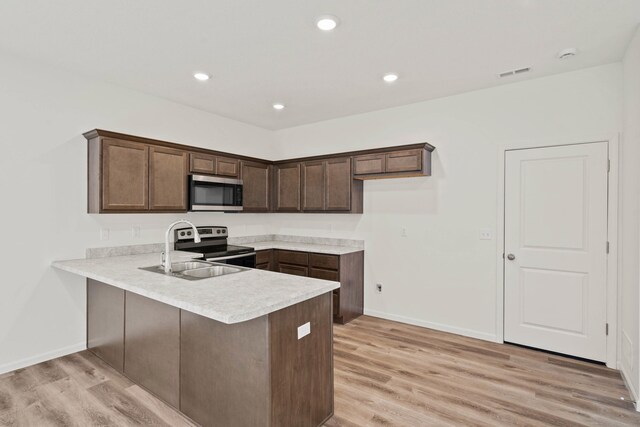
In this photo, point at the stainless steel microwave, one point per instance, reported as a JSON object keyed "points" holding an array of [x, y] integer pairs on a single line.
{"points": [[211, 193]]}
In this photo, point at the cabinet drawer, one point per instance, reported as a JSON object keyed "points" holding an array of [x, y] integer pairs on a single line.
{"points": [[370, 164], [296, 270], [202, 163], [227, 167], [264, 266], [263, 256], [330, 262], [319, 273], [292, 257], [404, 161]]}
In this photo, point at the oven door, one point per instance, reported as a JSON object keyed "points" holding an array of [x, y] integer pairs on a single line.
{"points": [[209, 193], [242, 260]]}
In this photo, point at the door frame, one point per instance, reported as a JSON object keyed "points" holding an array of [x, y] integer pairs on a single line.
{"points": [[613, 296]]}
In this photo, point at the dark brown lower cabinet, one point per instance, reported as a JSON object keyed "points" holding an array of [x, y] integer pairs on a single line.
{"points": [[348, 269], [224, 371], [264, 260], [105, 323], [253, 373], [302, 368], [152, 346], [296, 270]]}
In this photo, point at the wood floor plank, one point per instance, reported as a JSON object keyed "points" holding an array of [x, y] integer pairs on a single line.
{"points": [[386, 374], [168, 414], [520, 386], [128, 406]]}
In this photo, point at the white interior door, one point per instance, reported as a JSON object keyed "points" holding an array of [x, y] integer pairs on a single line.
{"points": [[556, 249]]}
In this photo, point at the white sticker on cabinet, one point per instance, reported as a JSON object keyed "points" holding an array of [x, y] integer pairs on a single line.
{"points": [[304, 330]]}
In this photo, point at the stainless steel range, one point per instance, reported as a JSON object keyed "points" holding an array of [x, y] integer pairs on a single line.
{"points": [[213, 245]]}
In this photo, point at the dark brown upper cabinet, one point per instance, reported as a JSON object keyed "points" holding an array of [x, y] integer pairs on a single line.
{"points": [[134, 174], [124, 185], [340, 187], [167, 179], [313, 186], [369, 164], [287, 187], [208, 164], [227, 167], [328, 186], [128, 176], [256, 193], [404, 161], [202, 163], [394, 163]]}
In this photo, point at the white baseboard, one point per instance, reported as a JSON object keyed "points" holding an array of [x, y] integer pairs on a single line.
{"points": [[437, 326], [632, 391], [19, 364]]}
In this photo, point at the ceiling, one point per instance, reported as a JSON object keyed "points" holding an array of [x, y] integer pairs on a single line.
{"points": [[263, 51]]}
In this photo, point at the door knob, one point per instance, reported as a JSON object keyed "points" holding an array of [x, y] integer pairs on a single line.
{"points": [[511, 257]]}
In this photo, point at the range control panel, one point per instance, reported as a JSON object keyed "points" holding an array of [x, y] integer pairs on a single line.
{"points": [[205, 233]]}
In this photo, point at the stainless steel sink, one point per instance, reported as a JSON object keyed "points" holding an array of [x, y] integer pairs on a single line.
{"points": [[179, 267], [196, 270], [213, 271]]}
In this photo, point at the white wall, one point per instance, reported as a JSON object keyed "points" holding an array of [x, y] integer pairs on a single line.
{"points": [[43, 113], [630, 213], [441, 275]]}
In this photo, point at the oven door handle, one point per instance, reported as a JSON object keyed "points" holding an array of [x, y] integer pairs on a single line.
{"points": [[231, 257]]}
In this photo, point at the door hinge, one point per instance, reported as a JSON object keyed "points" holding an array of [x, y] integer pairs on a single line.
{"points": [[607, 329], [608, 247]]}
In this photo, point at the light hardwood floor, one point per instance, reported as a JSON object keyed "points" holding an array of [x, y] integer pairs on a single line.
{"points": [[386, 373]]}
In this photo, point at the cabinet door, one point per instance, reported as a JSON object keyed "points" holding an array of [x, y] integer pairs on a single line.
{"points": [[227, 167], [301, 369], [264, 260], [404, 161], [105, 322], [167, 179], [369, 164], [321, 273], [292, 257], [313, 186], [296, 270], [152, 346], [125, 176], [256, 186], [202, 163], [338, 184], [288, 187]]}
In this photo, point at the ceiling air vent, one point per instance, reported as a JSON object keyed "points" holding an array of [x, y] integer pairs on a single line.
{"points": [[514, 72]]}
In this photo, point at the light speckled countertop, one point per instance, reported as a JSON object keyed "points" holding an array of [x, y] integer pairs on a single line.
{"points": [[304, 247], [229, 299]]}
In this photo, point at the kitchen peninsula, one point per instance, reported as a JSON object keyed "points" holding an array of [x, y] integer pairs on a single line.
{"points": [[252, 348]]}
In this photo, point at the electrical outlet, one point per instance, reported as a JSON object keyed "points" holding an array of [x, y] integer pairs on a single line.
{"points": [[104, 234], [403, 232], [135, 231], [486, 234], [304, 330], [379, 288]]}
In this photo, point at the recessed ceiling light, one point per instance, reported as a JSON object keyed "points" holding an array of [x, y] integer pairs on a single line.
{"points": [[327, 22], [567, 53], [278, 106], [201, 76], [390, 78]]}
